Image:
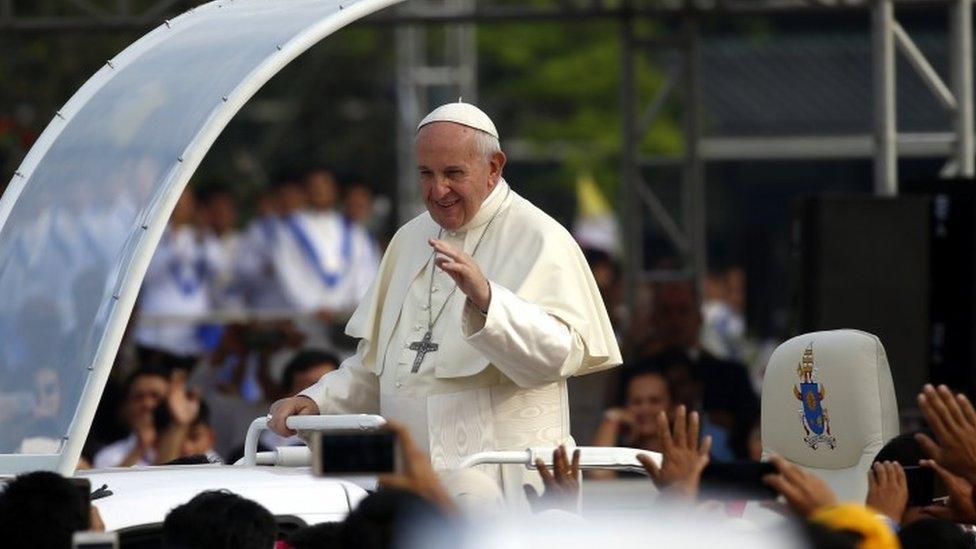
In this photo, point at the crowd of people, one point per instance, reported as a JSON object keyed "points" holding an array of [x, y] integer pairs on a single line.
{"points": [[287, 281], [230, 322], [895, 513]]}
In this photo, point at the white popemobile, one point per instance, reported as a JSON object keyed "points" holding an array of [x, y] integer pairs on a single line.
{"points": [[80, 221]]}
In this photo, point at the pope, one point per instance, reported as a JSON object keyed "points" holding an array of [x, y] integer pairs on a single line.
{"points": [[482, 308]]}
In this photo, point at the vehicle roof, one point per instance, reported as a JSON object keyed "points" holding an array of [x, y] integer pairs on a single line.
{"points": [[144, 495]]}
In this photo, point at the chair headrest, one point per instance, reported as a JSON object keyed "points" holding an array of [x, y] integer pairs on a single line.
{"points": [[828, 399]]}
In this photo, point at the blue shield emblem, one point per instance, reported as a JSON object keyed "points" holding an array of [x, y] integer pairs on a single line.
{"points": [[812, 411]]}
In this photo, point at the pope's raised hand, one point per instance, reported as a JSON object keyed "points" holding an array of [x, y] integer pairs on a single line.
{"points": [[466, 274]]}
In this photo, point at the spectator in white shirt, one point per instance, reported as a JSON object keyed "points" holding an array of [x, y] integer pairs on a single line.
{"points": [[144, 390]]}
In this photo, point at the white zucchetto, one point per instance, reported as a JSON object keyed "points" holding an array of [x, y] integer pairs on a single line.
{"points": [[465, 114]]}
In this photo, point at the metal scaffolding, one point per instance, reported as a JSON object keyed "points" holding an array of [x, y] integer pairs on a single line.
{"points": [[434, 65], [455, 69]]}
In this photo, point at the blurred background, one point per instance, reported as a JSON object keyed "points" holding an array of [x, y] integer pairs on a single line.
{"points": [[738, 172]]}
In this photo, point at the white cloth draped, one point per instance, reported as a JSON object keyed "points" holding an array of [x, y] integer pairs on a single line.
{"points": [[178, 281], [496, 382]]}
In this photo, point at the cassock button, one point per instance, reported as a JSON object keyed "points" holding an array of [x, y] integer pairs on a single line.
{"points": [[398, 384], [434, 289]]}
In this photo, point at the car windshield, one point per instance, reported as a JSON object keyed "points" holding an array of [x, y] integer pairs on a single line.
{"points": [[88, 204]]}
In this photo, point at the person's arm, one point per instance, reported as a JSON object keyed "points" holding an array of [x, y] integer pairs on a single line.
{"points": [[184, 407], [350, 389], [527, 344], [607, 435], [145, 439]]}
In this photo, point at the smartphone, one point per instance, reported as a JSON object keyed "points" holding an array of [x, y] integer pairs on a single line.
{"points": [[737, 480], [921, 485], [355, 453], [95, 540]]}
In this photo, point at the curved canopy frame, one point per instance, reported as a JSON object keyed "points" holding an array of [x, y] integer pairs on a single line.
{"points": [[85, 211]]}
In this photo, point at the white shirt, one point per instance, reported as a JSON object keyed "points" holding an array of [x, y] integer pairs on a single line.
{"points": [[225, 287], [114, 454], [177, 282], [255, 268], [314, 245]]}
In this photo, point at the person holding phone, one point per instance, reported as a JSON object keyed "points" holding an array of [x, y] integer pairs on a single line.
{"points": [[483, 307], [634, 425]]}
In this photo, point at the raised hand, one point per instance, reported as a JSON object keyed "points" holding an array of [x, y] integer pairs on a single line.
{"points": [[464, 271], [803, 492], [959, 507], [953, 420], [888, 490], [561, 485], [184, 405], [683, 458]]}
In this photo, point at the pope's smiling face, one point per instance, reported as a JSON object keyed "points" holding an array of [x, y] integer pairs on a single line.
{"points": [[455, 177]]}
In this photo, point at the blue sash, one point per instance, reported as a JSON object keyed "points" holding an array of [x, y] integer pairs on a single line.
{"points": [[267, 226], [188, 286], [330, 279]]}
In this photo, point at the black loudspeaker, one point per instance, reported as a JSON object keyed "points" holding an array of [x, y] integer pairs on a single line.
{"points": [[952, 296], [863, 262]]}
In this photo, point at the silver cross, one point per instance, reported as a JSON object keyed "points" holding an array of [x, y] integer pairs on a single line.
{"points": [[422, 347]]}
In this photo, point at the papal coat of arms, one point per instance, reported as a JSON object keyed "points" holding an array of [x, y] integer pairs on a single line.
{"points": [[813, 411]]}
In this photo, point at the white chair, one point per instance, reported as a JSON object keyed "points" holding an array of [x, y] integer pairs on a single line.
{"points": [[828, 405]]}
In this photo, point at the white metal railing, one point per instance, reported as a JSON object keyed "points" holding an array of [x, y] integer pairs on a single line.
{"points": [[591, 457], [299, 456]]}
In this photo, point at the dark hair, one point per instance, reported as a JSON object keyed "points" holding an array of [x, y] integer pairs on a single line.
{"points": [[163, 419], [195, 459], [41, 509], [208, 195], [316, 167], [660, 364], [903, 449], [144, 371], [387, 518], [595, 256], [326, 534], [286, 178], [219, 519], [303, 362], [645, 371], [932, 532]]}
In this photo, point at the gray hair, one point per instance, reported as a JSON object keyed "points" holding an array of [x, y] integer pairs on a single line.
{"points": [[486, 145]]}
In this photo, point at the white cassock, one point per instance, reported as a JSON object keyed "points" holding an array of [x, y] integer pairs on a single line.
{"points": [[177, 282], [254, 265], [496, 382], [225, 286], [323, 261]]}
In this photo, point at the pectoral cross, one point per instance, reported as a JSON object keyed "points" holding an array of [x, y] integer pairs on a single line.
{"points": [[422, 347]]}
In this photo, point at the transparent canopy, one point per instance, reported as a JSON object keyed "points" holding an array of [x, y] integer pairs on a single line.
{"points": [[83, 214]]}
